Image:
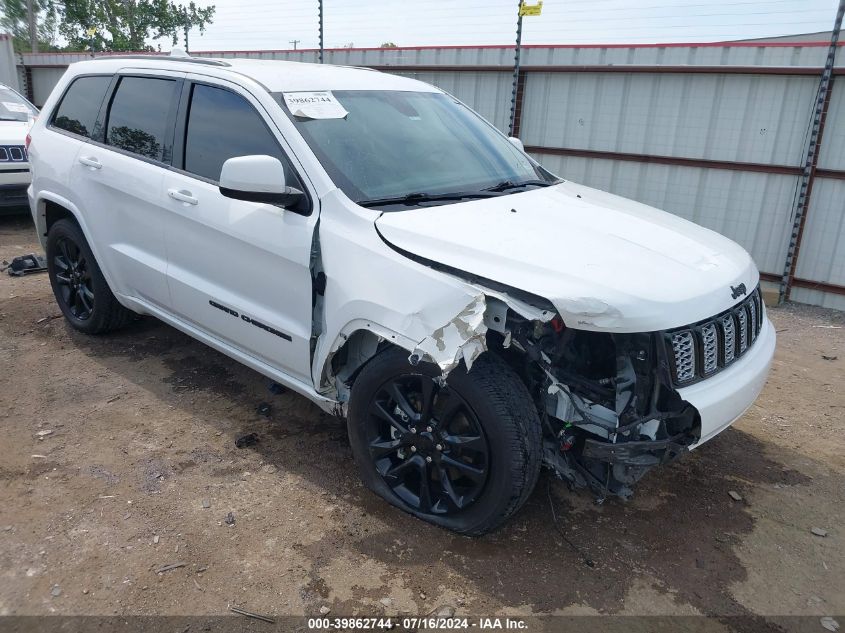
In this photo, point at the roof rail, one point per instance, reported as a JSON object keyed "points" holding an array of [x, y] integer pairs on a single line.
{"points": [[167, 58]]}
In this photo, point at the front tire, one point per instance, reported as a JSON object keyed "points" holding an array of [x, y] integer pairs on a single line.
{"points": [[78, 284], [464, 456]]}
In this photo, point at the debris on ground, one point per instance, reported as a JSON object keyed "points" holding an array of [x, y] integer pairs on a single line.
{"points": [[249, 439], [276, 389], [206, 504], [230, 519], [250, 614], [819, 531], [324, 610], [25, 265], [170, 567], [829, 623], [269, 469], [830, 357], [735, 495], [386, 601], [56, 591], [446, 612], [264, 409], [43, 433]]}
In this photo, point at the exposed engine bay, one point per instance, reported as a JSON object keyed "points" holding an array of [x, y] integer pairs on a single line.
{"points": [[606, 401]]}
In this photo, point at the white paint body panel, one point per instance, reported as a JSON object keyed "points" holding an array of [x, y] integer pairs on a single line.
{"points": [[14, 132], [126, 213], [252, 258], [607, 264]]}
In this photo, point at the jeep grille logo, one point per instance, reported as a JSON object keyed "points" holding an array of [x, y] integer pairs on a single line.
{"points": [[736, 291]]}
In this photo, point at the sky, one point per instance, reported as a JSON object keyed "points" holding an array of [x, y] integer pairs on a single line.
{"points": [[274, 24]]}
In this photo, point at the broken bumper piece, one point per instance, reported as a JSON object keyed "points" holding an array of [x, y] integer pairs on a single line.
{"points": [[638, 454]]}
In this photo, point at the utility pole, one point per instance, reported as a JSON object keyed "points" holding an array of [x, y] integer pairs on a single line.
{"points": [[811, 157], [517, 54], [320, 2], [523, 9], [33, 32], [294, 42]]}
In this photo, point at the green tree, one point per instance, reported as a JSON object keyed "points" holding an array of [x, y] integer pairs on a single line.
{"points": [[388, 45], [126, 25], [13, 19]]}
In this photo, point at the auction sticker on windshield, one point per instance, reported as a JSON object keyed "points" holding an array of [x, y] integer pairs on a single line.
{"points": [[314, 105], [11, 106]]}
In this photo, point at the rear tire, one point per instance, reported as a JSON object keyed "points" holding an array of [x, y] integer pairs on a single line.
{"points": [[78, 284], [477, 440]]}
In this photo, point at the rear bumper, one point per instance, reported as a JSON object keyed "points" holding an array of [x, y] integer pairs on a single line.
{"points": [[722, 399]]}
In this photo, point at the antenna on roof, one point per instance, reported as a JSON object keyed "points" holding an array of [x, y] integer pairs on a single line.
{"points": [[177, 51]]}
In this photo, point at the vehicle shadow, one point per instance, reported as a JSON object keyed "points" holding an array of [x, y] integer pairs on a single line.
{"points": [[676, 529]]}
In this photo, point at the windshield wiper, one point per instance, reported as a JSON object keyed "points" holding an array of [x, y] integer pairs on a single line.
{"points": [[418, 197], [507, 185], [6, 118]]}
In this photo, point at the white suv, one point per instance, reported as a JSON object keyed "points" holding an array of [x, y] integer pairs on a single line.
{"points": [[376, 246], [16, 117]]}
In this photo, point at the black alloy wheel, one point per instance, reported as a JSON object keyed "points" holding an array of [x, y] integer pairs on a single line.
{"points": [[427, 444], [461, 451], [73, 279], [78, 284]]}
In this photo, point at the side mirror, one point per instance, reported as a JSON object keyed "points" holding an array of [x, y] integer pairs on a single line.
{"points": [[257, 179], [516, 143]]}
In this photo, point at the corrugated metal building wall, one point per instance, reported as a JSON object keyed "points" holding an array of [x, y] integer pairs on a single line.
{"points": [[713, 133]]}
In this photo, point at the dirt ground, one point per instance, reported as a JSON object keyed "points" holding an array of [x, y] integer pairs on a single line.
{"points": [[119, 457]]}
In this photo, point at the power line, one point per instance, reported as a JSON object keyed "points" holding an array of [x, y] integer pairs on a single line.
{"points": [[435, 22]]}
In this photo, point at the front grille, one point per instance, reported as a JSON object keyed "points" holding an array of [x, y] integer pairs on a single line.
{"points": [[684, 346], [12, 154], [703, 349]]}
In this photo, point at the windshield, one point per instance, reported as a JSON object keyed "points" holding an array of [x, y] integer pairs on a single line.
{"points": [[414, 147], [14, 107]]}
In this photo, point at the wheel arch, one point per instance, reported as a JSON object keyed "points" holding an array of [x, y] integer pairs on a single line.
{"points": [[50, 208], [354, 346]]}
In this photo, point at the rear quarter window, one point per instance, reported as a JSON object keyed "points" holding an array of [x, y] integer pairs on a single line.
{"points": [[78, 109]]}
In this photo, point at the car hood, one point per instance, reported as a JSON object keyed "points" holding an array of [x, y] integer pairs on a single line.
{"points": [[605, 262], [14, 132]]}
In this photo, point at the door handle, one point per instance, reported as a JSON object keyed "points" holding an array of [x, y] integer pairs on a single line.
{"points": [[182, 195], [90, 161]]}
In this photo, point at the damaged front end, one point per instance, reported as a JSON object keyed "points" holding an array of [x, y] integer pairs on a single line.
{"points": [[606, 400]]}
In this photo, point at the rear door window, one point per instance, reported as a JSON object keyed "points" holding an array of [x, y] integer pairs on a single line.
{"points": [[223, 125], [78, 109], [138, 116]]}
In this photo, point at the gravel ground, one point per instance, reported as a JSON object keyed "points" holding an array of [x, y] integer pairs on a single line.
{"points": [[119, 457]]}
